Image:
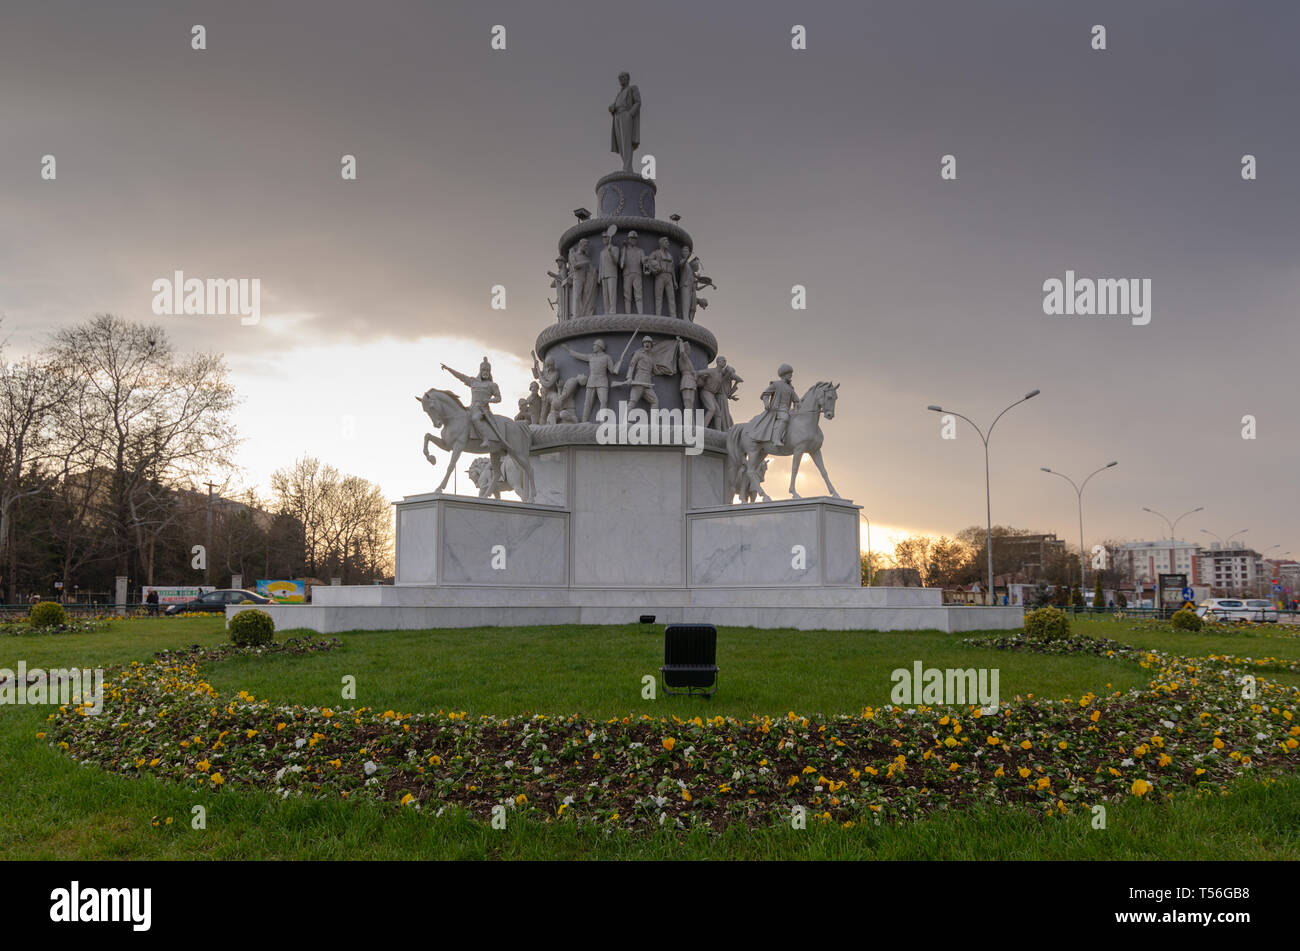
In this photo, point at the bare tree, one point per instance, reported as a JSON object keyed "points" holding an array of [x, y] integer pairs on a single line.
{"points": [[163, 422]]}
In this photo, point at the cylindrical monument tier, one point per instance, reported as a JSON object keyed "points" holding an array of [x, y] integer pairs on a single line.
{"points": [[621, 335], [625, 193]]}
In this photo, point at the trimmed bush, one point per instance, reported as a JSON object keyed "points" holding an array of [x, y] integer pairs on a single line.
{"points": [[1047, 624], [251, 628], [1186, 619], [47, 614]]}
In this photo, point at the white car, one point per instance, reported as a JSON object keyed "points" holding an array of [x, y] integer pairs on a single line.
{"points": [[1237, 609]]}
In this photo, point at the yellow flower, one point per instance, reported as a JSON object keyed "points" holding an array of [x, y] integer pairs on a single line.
{"points": [[1026, 745], [217, 779], [808, 769], [794, 780], [1024, 773], [1000, 772], [1218, 743], [669, 743], [1165, 759], [250, 734], [279, 727], [1062, 745], [686, 794], [520, 799], [1094, 716], [203, 765], [993, 741], [953, 767], [943, 721], [407, 798], [1044, 782], [1140, 787]]}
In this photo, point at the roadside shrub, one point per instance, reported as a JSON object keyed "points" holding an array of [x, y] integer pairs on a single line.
{"points": [[1186, 619], [1047, 624], [251, 628], [47, 614], [1121, 600]]}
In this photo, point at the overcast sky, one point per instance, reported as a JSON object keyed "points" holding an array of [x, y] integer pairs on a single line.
{"points": [[817, 167]]}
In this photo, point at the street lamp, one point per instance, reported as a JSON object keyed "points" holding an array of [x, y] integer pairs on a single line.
{"points": [[1078, 490], [988, 498], [1172, 525]]}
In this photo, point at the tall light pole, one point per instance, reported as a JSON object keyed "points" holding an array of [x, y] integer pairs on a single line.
{"points": [[988, 497], [1261, 558], [1078, 490]]}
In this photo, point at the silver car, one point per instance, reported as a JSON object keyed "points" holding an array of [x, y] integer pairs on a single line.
{"points": [[1237, 609]]}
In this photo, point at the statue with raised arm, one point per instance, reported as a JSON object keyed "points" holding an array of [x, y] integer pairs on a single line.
{"points": [[482, 392], [625, 133], [602, 370], [689, 282]]}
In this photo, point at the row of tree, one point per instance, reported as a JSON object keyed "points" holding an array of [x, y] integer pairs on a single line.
{"points": [[117, 458], [962, 560]]}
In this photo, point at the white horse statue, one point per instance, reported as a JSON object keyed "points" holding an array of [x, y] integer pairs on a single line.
{"points": [[450, 415], [745, 454]]}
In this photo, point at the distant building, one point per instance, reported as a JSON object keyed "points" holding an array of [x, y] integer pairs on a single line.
{"points": [[1027, 556], [1235, 569], [1142, 562]]}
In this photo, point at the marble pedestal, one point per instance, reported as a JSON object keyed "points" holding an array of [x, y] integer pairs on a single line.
{"points": [[618, 532]]}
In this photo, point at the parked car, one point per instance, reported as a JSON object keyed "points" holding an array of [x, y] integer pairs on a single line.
{"points": [[1237, 609], [216, 601]]}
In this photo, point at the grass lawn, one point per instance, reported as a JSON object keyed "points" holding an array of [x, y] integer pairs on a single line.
{"points": [[55, 808]]}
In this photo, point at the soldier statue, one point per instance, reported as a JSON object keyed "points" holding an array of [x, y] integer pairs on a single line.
{"points": [[602, 370], [632, 260], [718, 385], [660, 265], [779, 400], [640, 375], [483, 391]]}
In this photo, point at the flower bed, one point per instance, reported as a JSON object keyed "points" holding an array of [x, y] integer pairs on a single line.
{"points": [[1190, 728]]}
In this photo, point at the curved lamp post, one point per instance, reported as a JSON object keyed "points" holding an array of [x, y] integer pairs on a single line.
{"points": [[988, 503], [1078, 491]]}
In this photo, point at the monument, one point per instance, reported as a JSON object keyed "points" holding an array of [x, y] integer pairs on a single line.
{"points": [[638, 493]]}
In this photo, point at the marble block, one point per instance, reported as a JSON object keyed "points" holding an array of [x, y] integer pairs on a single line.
{"points": [[504, 547], [795, 542], [627, 516], [417, 543]]}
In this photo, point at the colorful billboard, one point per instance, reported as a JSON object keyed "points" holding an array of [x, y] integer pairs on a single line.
{"points": [[283, 592]]}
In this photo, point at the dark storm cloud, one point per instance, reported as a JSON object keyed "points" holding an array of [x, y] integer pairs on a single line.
{"points": [[817, 167]]}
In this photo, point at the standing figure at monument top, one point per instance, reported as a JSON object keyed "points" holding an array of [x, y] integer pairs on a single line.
{"points": [[625, 135]]}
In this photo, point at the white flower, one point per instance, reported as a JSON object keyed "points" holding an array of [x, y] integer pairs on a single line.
{"points": [[1168, 724], [536, 770], [634, 746], [1126, 762], [370, 767], [510, 764], [299, 743]]}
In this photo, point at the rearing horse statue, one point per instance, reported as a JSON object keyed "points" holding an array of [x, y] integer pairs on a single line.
{"points": [[450, 415], [745, 453]]}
